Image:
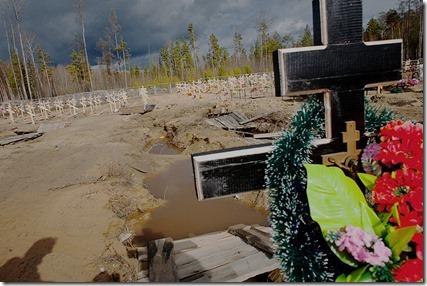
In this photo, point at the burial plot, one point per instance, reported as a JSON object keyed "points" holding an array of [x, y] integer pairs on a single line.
{"points": [[339, 69]]}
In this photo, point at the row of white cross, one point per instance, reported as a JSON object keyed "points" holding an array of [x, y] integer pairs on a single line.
{"points": [[254, 83], [86, 103]]}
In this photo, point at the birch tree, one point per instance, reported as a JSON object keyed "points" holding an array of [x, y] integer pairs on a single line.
{"points": [[16, 6], [78, 6]]}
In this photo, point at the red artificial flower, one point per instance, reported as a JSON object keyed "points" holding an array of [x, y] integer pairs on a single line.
{"points": [[410, 217], [412, 270], [399, 187], [402, 143]]}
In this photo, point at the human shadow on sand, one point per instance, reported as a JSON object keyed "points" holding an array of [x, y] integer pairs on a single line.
{"points": [[25, 269]]}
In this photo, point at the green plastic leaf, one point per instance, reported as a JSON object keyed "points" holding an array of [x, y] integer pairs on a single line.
{"points": [[398, 239], [344, 256], [368, 180], [334, 198], [395, 213], [370, 220], [361, 274], [341, 278]]}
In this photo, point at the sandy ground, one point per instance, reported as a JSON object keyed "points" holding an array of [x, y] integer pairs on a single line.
{"points": [[67, 196]]}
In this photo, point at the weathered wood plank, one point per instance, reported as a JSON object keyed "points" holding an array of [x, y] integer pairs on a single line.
{"points": [[229, 121], [199, 241], [239, 116], [214, 122], [254, 237], [268, 135], [216, 257], [256, 117], [202, 252], [237, 271], [161, 261], [136, 109], [46, 127], [17, 138]]}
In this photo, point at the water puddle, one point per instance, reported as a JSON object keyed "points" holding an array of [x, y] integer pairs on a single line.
{"points": [[183, 215], [163, 148]]}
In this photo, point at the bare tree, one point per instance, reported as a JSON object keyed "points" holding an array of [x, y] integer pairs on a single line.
{"points": [[10, 57], [30, 45], [15, 50], [78, 5], [16, 6], [194, 48]]}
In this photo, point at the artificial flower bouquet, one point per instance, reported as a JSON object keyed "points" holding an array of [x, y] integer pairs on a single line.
{"points": [[378, 231], [404, 84]]}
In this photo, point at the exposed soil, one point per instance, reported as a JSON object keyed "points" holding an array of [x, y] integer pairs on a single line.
{"points": [[68, 196]]}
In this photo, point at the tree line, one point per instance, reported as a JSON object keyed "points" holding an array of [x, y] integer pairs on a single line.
{"points": [[29, 74]]}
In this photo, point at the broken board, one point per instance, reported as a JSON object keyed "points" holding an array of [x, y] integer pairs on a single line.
{"points": [[136, 109], [17, 138]]}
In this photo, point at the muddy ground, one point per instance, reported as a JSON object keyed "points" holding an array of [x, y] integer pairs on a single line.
{"points": [[69, 196]]}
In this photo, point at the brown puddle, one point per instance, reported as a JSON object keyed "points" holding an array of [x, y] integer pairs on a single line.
{"points": [[183, 215]]}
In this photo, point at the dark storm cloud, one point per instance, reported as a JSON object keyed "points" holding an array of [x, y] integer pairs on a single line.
{"points": [[151, 24]]}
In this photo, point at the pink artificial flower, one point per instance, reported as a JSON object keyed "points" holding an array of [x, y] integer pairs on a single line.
{"points": [[363, 246]]}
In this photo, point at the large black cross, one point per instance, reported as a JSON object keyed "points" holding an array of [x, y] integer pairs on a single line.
{"points": [[340, 65]]}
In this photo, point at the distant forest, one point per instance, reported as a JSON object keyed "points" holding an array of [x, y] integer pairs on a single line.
{"points": [[30, 74]]}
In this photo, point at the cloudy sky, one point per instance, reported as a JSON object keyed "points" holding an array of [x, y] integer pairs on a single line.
{"points": [[147, 25]]}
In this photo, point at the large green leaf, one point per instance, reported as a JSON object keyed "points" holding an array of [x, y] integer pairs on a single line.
{"points": [[335, 200], [371, 220], [359, 275], [368, 180], [399, 239]]}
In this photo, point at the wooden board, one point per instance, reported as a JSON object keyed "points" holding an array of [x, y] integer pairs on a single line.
{"points": [[239, 270], [253, 236], [224, 257], [46, 127], [17, 138], [231, 121], [136, 109], [161, 261]]}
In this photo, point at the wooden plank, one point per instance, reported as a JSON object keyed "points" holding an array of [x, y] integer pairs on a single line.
{"points": [[239, 116], [161, 261], [46, 127], [201, 252], [214, 122], [199, 241], [256, 117], [136, 109], [229, 122], [237, 271], [253, 237], [268, 135], [17, 138], [221, 255]]}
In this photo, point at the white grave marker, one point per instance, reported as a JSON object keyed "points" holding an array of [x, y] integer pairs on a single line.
{"points": [[11, 112], [30, 110]]}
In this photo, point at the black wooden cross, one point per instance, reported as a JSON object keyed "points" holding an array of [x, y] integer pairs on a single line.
{"points": [[340, 66]]}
